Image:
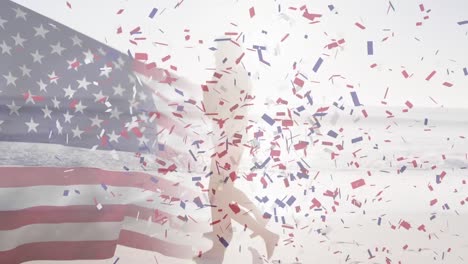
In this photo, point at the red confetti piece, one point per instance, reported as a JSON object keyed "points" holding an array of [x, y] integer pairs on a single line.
{"points": [[430, 75], [405, 74], [358, 183], [166, 58], [252, 12], [359, 25]]}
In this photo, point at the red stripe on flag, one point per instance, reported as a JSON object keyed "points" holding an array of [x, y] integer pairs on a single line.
{"points": [[79, 214], [38, 176], [61, 250]]}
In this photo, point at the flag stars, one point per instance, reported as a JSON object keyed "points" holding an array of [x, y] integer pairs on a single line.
{"points": [[96, 121], [57, 49], [25, 71], [118, 90], [29, 97], [40, 31], [114, 137], [42, 85], [13, 108], [2, 22], [79, 107], [32, 126], [18, 40], [67, 117], [56, 102], [5, 48], [20, 13], [76, 41], [115, 113], [73, 64], [53, 78], [69, 92], [83, 83], [105, 71], [77, 132], [99, 96], [89, 57], [10, 79], [47, 112], [37, 57]]}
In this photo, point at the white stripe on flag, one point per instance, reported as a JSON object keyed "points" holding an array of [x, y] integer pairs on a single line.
{"points": [[53, 155], [24, 197]]}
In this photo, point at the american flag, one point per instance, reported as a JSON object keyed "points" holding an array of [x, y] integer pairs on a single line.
{"points": [[78, 141]]}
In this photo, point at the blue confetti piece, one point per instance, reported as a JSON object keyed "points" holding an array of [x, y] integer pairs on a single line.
{"points": [[153, 179], [331, 7], [309, 99], [130, 54], [222, 39], [198, 202], [320, 114], [302, 175], [291, 200], [465, 71], [370, 48], [266, 215], [223, 241], [355, 99], [182, 204], [104, 186], [153, 12], [196, 178], [268, 119], [300, 108], [280, 203], [161, 147], [379, 221], [425, 121], [66, 192], [464, 22], [402, 169], [355, 140], [317, 64], [332, 134], [179, 91]]}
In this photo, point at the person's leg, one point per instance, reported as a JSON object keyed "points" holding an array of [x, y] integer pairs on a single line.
{"points": [[241, 199], [258, 228], [221, 234]]}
